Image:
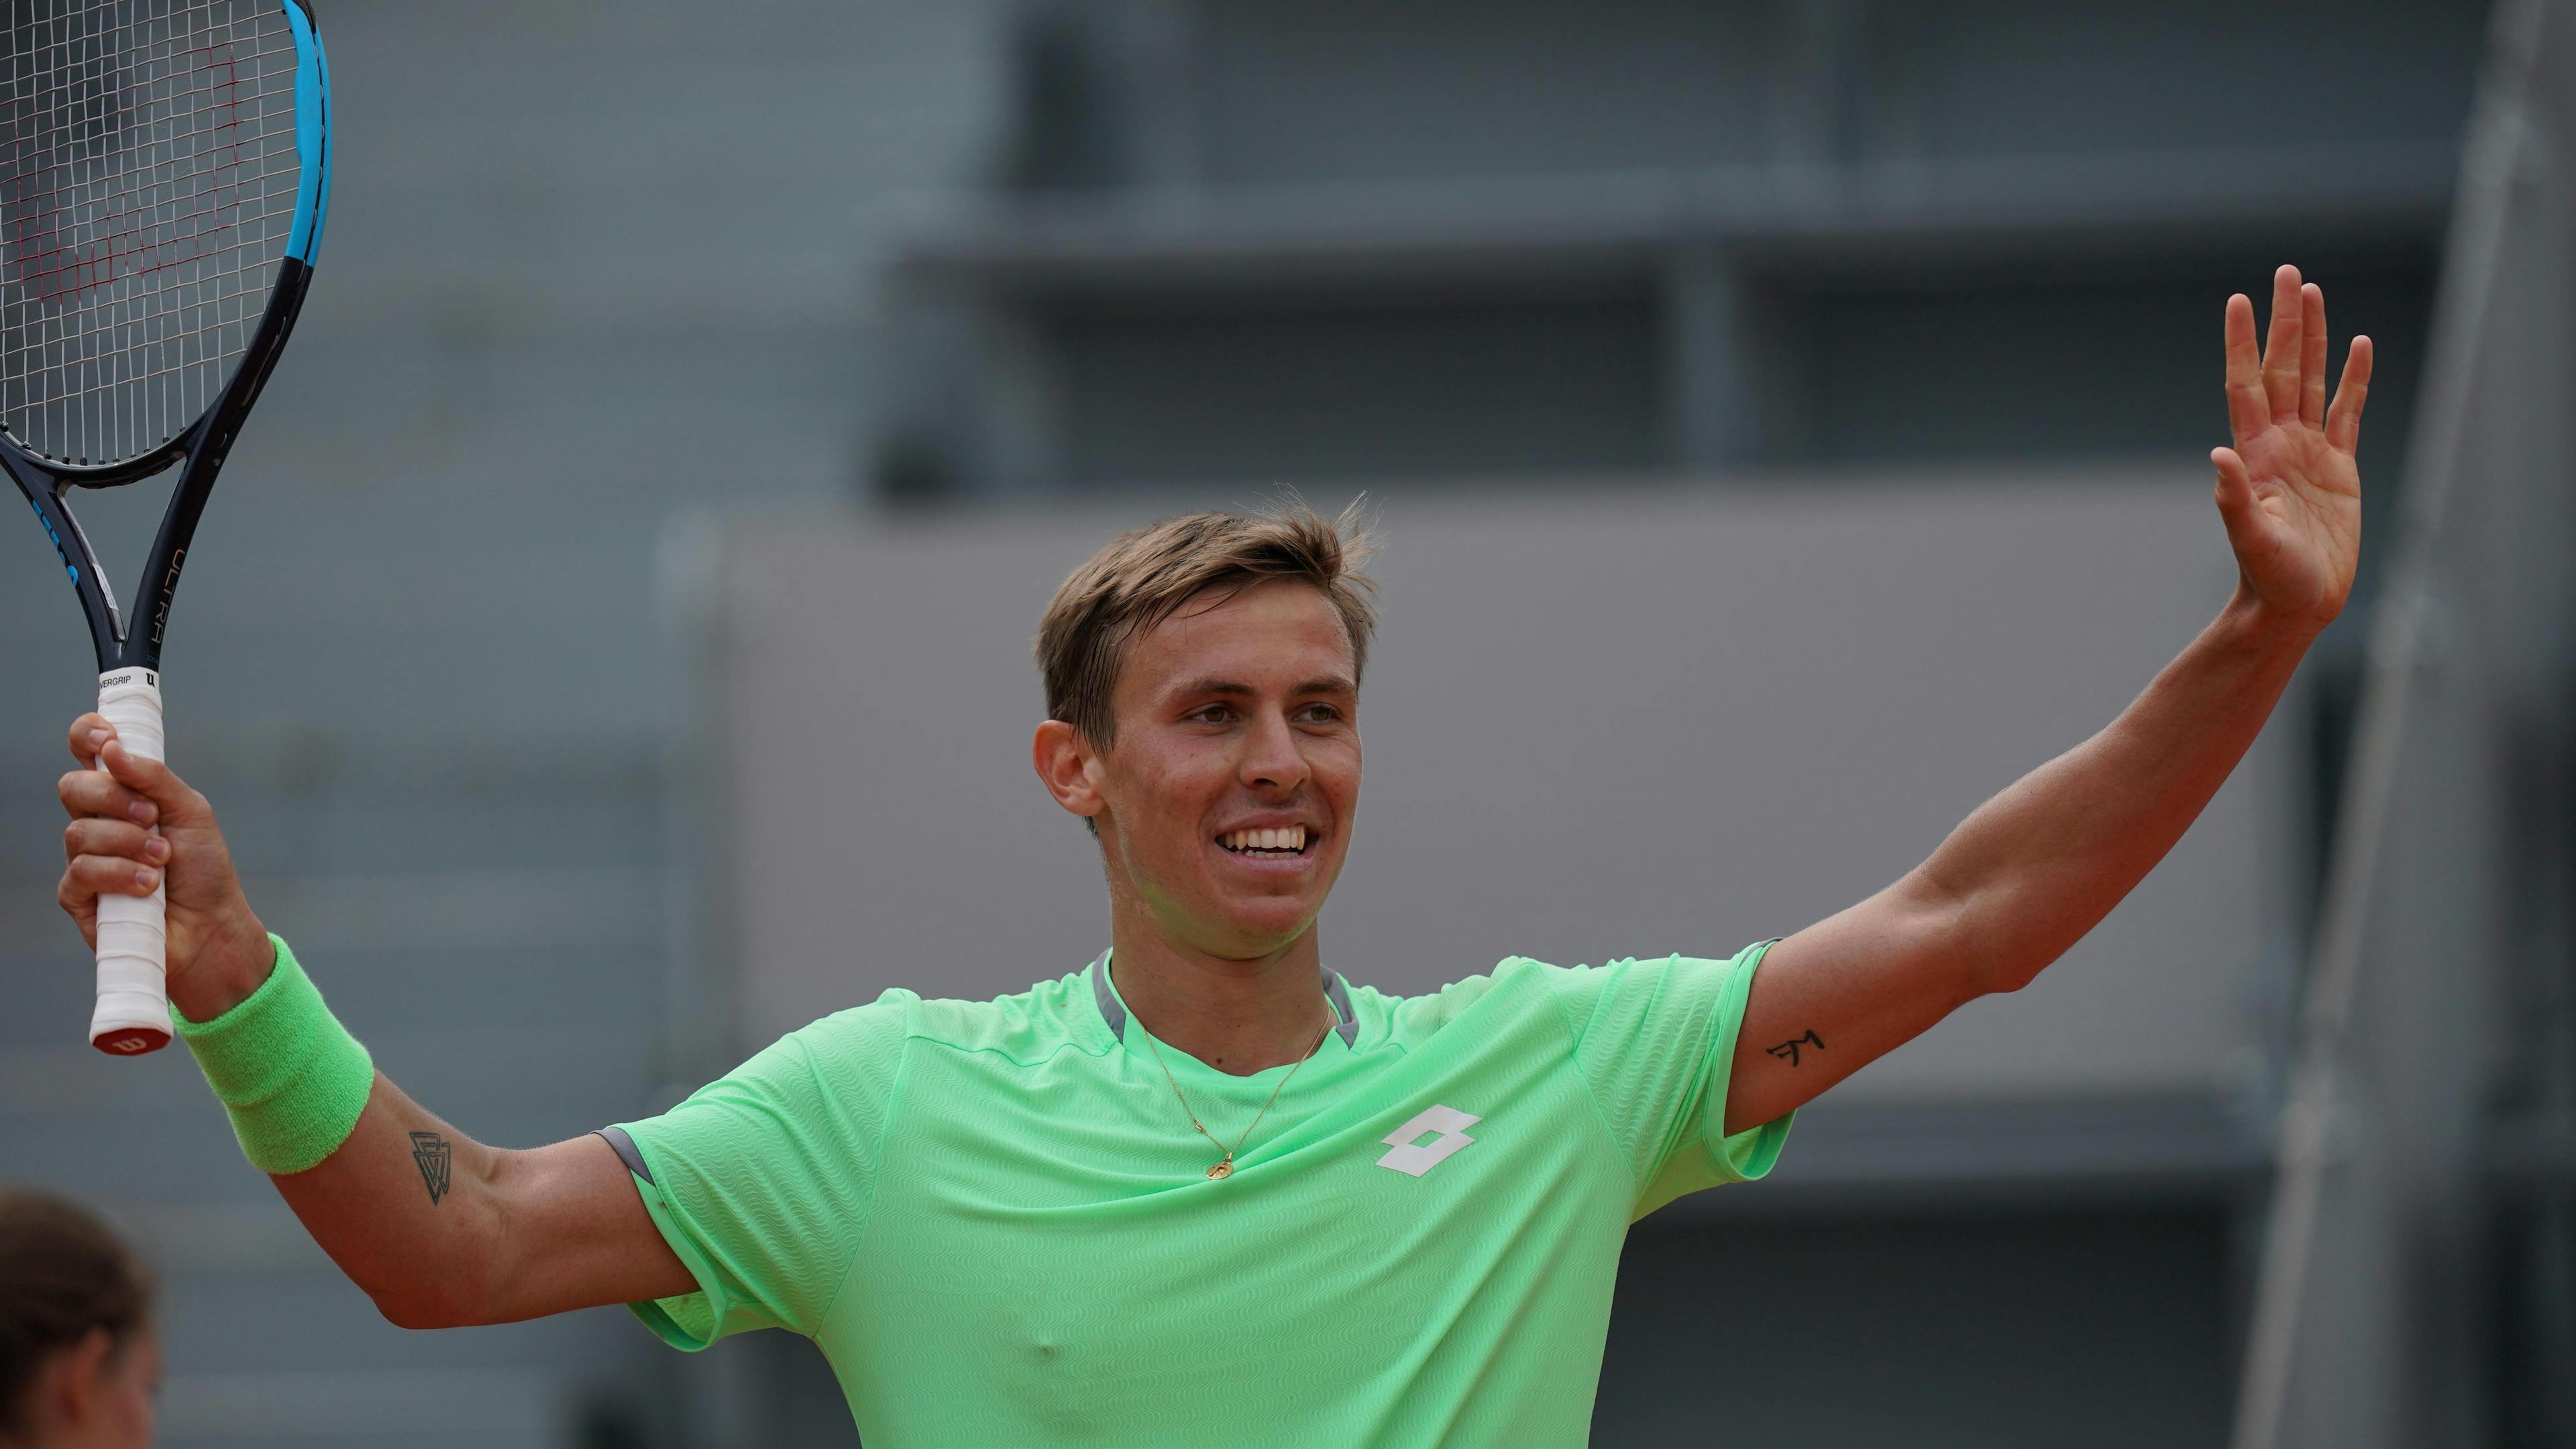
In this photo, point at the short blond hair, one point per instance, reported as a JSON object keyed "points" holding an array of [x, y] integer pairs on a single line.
{"points": [[1143, 576]]}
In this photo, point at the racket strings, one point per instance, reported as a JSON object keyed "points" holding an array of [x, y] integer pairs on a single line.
{"points": [[148, 175]]}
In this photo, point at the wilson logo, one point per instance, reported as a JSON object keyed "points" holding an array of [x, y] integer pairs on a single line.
{"points": [[1412, 1157]]}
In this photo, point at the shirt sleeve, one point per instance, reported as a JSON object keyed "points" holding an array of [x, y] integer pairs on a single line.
{"points": [[761, 1182], [1655, 1044]]}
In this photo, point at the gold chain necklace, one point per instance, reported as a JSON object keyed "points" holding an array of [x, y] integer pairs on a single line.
{"points": [[1225, 1165]]}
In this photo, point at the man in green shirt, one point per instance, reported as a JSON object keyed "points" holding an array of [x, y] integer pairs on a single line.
{"points": [[1203, 1189]]}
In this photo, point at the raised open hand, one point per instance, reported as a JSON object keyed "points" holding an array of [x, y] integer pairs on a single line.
{"points": [[2288, 491]]}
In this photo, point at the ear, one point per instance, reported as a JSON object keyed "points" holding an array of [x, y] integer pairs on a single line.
{"points": [[1070, 767], [73, 1380]]}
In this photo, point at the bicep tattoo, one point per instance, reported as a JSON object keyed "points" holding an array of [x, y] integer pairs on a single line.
{"points": [[431, 1153], [1787, 1051]]}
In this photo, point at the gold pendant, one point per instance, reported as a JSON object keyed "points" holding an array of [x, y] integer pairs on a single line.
{"points": [[1223, 1169]]}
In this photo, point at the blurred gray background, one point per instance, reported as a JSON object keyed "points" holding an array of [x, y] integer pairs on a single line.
{"points": [[608, 646]]}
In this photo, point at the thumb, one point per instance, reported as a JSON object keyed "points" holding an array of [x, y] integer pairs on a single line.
{"points": [[2246, 523], [180, 806]]}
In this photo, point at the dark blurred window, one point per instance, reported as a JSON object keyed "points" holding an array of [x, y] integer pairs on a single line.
{"points": [[1357, 389]]}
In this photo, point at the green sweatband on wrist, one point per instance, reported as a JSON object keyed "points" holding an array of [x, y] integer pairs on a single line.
{"points": [[286, 1070]]}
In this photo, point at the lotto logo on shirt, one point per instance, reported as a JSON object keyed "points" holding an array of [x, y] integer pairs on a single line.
{"points": [[1408, 1155]]}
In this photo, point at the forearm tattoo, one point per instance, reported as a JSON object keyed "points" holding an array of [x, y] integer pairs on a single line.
{"points": [[1787, 1051], [432, 1154]]}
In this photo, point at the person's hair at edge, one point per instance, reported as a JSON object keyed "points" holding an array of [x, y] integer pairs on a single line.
{"points": [[1146, 575], [63, 1276]]}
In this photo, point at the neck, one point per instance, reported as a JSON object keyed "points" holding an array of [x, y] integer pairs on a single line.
{"points": [[1239, 1017]]}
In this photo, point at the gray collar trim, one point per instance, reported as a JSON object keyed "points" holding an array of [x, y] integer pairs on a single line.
{"points": [[1336, 991]]}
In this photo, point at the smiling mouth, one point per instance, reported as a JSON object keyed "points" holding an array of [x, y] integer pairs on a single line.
{"points": [[1285, 843]]}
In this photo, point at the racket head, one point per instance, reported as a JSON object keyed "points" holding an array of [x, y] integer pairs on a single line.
{"points": [[152, 179], [164, 179]]}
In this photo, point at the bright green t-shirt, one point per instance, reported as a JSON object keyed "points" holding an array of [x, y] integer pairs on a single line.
{"points": [[996, 1222]]}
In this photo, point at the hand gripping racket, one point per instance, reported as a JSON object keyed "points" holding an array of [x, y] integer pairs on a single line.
{"points": [[165, 166]]}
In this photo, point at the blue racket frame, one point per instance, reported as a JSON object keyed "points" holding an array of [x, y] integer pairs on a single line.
{"points": [[128, 641]]}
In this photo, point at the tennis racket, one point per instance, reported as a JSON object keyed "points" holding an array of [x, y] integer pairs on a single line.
{"points": [[165, 166]]}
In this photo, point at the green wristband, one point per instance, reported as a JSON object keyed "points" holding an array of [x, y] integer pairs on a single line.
{"points": [[286, 1070]]}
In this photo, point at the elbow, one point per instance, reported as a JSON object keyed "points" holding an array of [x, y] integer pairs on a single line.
{"points": [[2007, 961], [408, 1312], [433, 1290], [2009, 975], [419, 1306], [1956, 929], [449, 1278], [2000, 964], [2015, 939]]}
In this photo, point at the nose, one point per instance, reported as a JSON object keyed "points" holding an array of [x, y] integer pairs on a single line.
{"points": [[1272, 763]]}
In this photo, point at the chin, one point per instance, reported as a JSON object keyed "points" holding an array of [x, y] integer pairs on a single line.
{"points": [[1246, 934]]}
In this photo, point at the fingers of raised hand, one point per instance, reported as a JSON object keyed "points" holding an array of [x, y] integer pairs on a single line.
{"points": [[2312, 355], [2284, 345], [2248, 412], [91, 792], [2343, 422]]}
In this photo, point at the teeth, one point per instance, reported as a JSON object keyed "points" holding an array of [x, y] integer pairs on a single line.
{"points": [[1288, 838]]}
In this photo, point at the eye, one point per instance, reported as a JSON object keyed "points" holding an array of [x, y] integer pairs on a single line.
{"points": [[1212, 713], [1320, 713]]}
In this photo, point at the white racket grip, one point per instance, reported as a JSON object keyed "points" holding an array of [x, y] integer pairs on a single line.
{"points": [[133, 1013]]}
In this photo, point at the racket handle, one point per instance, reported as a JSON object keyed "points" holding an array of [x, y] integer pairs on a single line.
{"points": [[133, 1014]]}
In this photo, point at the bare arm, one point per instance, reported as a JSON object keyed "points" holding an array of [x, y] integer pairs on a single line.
{"points": [[442, 1231], [2033, 869], [437, 1228]]}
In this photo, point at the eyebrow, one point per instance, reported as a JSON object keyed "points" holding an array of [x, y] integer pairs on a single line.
{"points": [[1321, 684]]}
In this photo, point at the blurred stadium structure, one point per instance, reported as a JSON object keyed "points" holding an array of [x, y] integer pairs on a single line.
{"points": [[1881, 335], [2421, 1250]]}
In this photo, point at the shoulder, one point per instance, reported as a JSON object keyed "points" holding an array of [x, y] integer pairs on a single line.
{"points": [[860, 1051], [1025, 1027], [1517, 984], [858, 1048], [881, 1023], [1660, 984], [1577, 995]]}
